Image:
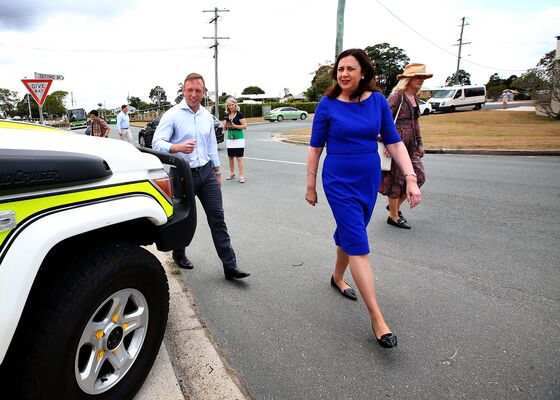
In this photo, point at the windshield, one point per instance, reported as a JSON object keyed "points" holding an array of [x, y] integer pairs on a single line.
{"points": [[78, 114], [443, 94]]}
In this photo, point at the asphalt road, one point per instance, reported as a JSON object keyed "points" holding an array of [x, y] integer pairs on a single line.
{"points": [[472, 290]]}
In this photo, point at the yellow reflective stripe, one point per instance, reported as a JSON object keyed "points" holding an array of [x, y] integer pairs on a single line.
{"points": [[27, 207], [26, 126]]}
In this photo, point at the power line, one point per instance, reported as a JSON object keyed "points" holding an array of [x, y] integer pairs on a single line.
{"points": [[441, 48]]}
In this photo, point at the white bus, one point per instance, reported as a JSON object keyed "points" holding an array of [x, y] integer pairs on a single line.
{"points": [[457, 97]]}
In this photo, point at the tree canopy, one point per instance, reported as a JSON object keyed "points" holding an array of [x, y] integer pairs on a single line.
{"points": [[388, 62], [157, 96], [464, 78], [252, 90], [54, 103], [320, 82], [8, 102], [543, 83]]}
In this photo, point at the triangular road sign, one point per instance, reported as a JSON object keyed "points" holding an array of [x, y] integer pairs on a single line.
{"points": [[38, 89]]}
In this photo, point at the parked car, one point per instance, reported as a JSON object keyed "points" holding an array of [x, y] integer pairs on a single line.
{"points": [[425, 108], [281, 113], [451, 98], [146, 135]]}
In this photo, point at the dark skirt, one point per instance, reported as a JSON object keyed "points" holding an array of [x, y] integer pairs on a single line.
{"points": [[235, 152]]}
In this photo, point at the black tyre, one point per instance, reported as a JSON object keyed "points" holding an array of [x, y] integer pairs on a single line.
{"points": [[303, 116], [426, 112], [142, 141], [452, 109], [280, 118], [99, 326], [477, 107]]}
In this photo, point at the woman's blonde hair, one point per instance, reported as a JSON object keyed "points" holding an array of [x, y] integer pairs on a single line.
{"points": [[231, 100], [403, 84]]}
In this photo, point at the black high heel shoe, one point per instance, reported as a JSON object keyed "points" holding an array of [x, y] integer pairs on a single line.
{"points": [[388, 341], [400, 214]]}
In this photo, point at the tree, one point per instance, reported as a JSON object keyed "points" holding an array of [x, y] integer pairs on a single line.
{"points": [[543, 84], [252, 90], [464, 78], [158, 96], [8, 102], [54, 103], [388, 62], [135, 102], [320, 82], [223, 97], [23, 106]]}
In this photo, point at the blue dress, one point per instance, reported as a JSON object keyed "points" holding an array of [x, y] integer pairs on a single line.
{"points": [[352, 170]]}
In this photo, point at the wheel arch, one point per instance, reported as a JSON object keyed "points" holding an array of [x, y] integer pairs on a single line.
{"points": [[134, 219]]}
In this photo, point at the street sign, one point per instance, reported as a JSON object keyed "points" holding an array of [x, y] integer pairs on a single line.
{"points": [[39, 75], [38, 89]]}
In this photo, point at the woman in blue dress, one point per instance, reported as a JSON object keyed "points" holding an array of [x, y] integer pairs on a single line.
{"points": [[348, 120]]}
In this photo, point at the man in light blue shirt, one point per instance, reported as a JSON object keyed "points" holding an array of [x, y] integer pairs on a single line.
{"points": [[123, 124], [187, 129]]}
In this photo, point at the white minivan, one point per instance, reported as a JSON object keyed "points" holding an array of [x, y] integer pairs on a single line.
{"points": [[452, 98]]}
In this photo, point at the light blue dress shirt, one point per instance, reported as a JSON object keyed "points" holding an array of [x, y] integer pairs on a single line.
{"points": [[123, 121], [179, 124]]}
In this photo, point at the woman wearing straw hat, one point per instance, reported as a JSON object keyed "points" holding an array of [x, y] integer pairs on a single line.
{"points": [[404, 101]]}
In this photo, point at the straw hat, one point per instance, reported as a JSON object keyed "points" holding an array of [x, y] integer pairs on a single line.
{"points": [[415, 70]]}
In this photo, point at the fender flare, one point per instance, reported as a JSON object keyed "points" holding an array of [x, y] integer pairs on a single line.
{"points": [[46, 232]]}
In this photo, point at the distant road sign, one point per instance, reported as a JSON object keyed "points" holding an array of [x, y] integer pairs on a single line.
{"points": [[39, 75], [38, 89]]}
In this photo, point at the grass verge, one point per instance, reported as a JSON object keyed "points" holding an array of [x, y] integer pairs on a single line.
{"points": [[485, 129]]}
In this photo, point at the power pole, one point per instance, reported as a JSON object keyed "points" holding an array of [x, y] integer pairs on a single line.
{"points": [[339, 27], [215, 46], [460, 40]]}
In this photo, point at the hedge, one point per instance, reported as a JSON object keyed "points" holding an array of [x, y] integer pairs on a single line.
{"points": [[255, 110]]}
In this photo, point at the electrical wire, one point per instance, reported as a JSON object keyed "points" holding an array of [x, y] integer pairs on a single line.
{"points": [[442, 48]]}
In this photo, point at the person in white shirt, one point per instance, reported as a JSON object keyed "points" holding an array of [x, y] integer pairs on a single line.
{"points": [[187, 130], [123, 124]]}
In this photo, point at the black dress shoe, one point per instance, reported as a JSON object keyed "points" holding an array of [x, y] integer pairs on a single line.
{"points": [[183, 262], [398, 223], [235, 274], [400, 214], [349, 293], [389, 340]]}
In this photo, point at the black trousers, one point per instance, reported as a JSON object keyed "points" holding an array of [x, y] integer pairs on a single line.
{"points": [[210, 195]]}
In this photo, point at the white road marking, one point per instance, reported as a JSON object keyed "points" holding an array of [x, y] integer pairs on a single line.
{"points": [[266, 159]]}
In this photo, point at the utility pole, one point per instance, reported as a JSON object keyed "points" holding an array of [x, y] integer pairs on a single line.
{"points": [[460, 40], [339, 27], [215, 46], [28, 103]]}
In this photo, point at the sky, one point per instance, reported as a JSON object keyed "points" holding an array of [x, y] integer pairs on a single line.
{"points": [[108, 50]]}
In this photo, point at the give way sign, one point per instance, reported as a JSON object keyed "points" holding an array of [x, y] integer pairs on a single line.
{"points": [[38, 89]]}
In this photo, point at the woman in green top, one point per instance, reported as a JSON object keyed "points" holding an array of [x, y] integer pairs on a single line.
{"points": [[235, 138]]}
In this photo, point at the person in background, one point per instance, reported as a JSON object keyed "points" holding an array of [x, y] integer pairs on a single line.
{"points": [[187, 129], [98, 125], [123, 124], [506, 97], [347, 120], [404, 100], [235, 124]]}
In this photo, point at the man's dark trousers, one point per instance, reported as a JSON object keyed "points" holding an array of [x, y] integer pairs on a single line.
{"points": [[210, 195]]}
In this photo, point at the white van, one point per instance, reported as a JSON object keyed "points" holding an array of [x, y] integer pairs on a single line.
{"points": [[452, 98]]}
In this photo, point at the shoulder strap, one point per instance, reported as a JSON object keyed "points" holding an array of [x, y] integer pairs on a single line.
{"points": [[399, 110]]}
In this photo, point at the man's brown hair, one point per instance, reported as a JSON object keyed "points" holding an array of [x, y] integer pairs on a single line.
{"points": [[193, 76]]}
